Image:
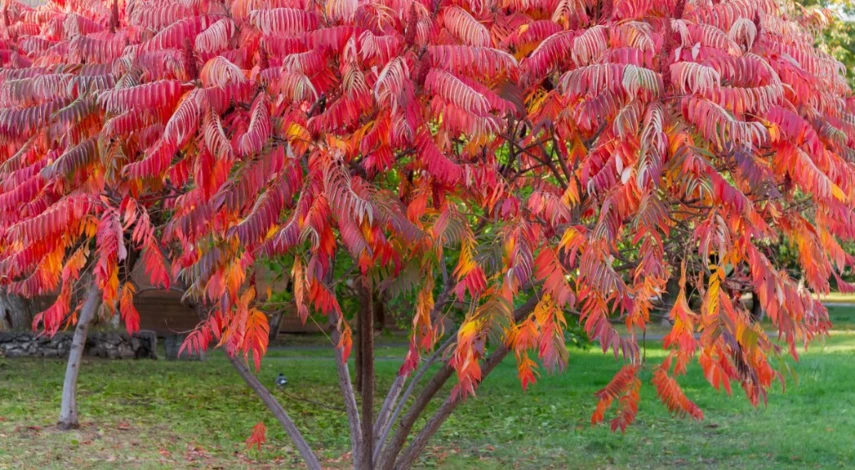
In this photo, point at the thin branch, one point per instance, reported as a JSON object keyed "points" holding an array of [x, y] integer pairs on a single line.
{"points": [[387, 425], [280, 413], [171, 289], [388, 403], [347, 392], [403, 401], [389, 454], [420, 441]]}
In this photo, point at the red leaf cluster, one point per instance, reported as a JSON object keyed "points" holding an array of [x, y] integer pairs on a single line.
{"points": [[474, 157]]}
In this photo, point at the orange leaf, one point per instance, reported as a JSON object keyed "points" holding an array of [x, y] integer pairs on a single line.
{"points": [[126, 308]]}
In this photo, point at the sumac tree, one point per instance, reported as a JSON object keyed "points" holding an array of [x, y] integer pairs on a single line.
{"points": [[505, 164], [71, 224]]}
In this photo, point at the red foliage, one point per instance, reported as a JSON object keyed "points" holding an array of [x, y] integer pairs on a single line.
{"points": [[582, 152], [257, 437]]}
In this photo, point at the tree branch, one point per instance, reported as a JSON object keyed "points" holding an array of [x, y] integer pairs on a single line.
{"points": [[388, 403], [420, 441], [400, 407], [389, 454], [417, 446], [347, 392], [398, 384], [277, 410]]}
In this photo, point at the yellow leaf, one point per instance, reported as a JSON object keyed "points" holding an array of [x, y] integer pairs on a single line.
{"points": [[569, 235], [713, 289], [774, 133], [571, 194], [838, 193]]}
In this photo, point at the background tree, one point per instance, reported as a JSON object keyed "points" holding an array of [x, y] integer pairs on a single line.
{"points": [[838, 31], [70, 225], [16, 312], [505, 164]]}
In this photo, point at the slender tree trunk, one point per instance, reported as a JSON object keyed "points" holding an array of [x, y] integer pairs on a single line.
{"points": [[346, 387], [388, 404], [68, 409], [16, 312], [276, 325], [393, 448], [379, 312], [272, 404], [366, 340], [280, 413], [357, 353]]}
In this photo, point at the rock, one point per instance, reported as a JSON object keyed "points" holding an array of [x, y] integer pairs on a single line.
{"points": [[113, 345]]}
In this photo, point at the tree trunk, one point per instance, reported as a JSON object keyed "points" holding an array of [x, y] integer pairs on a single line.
{"points": [[757, 313], [357, 354], [420, 441], [16, 312], [366, 345], [280, 413], [276, 325], [68, 410], [379, 313]]}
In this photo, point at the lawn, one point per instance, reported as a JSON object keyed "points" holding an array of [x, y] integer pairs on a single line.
{"points": [[158, 414]]}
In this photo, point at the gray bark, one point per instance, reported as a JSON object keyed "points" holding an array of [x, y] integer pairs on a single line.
{"points": [[390, 452], [387, 424], [417, 446], [393, 448], [347, 392], [280, 413], [276, 325], [16, 312], [388, 403], [68, 409], [366, 340]]}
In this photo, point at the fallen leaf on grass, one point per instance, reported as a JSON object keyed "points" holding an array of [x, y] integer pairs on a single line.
{"points": [[195, 452]]}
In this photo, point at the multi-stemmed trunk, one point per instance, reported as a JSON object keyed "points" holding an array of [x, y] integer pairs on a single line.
{"points": [[378, 441]]}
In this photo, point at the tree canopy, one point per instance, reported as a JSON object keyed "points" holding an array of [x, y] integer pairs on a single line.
{"points": [[506, 164]]}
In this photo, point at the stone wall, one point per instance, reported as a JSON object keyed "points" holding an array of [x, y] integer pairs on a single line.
{"points": [[111, 345]]}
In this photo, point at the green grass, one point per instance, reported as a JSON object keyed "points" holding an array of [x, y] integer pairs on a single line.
{"points": [[838, 297], [158, 414]]}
